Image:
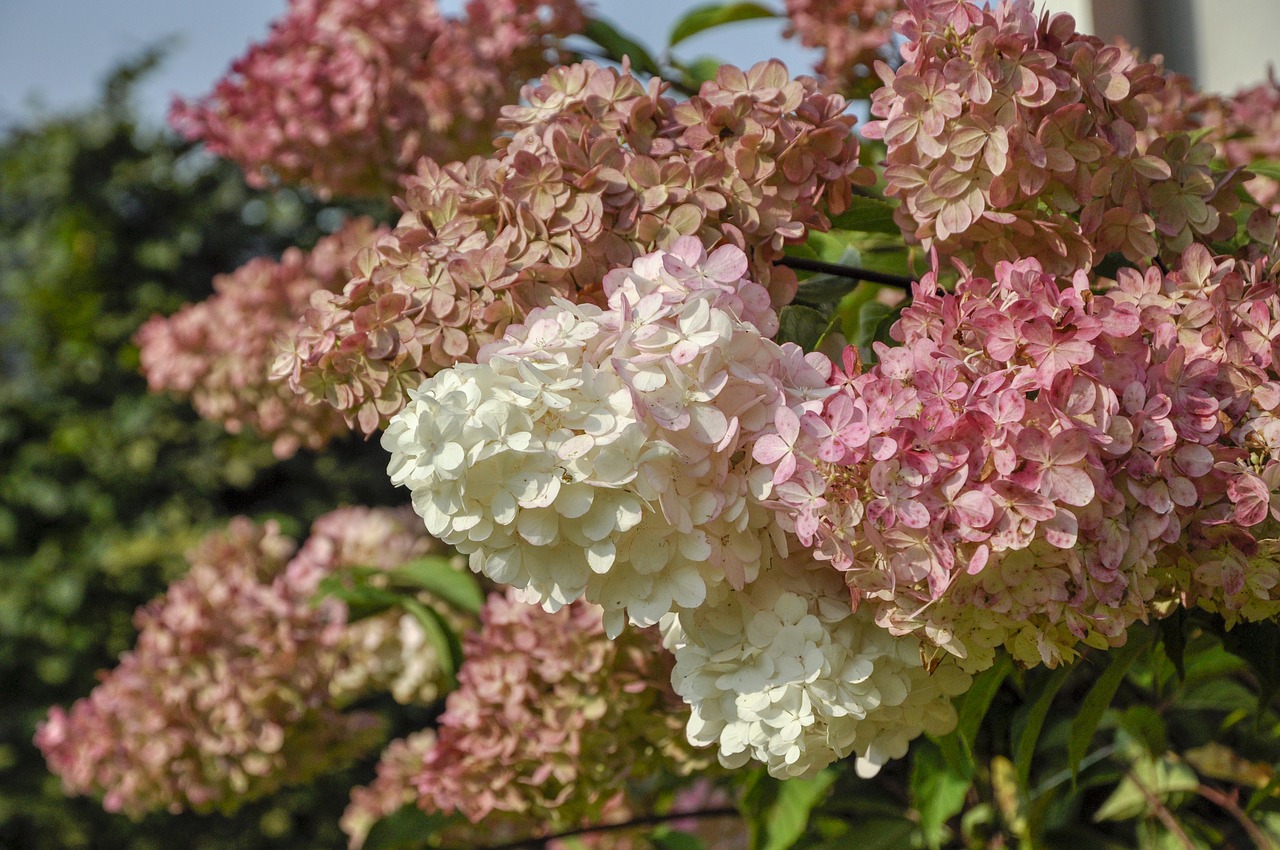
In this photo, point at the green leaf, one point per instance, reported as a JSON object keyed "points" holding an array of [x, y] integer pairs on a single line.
{"points": [[1267, 168], [937, 792], [1033, 722], [362, 599], [875, 833], [1099, 698], [1173, 636], [409, 828], [439, 578], [663, 838], [617, 45], [716, 14], [703, 69], [441, 635], [1162, 778], [802, 325], [1259, 645], [788, 817], [972, 707], [867, 215]]}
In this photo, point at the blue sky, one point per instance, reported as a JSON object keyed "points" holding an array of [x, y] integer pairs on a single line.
{"points": [[54, 53]]}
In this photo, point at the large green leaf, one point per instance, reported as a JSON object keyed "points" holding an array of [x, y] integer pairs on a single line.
{"points": [[617, 45], [442, 636], [440, 578], [1259, 645], [1099, 698], [1267, 168], [408, 828], [703, 18], [937, 791], [1027, 733], [971, 708], [867, 215], [788, 817], [802, 325]]}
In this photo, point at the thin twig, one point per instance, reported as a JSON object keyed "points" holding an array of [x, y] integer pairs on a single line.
{"points": [[1228, 803], [1162, 812], [645, 820], [801, 264]]}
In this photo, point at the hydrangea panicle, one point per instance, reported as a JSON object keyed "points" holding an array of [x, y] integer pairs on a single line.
{"points": [[597, 171], [220, 352]]}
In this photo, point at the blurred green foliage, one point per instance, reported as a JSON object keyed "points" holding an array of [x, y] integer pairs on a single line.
{"points": [[103, 486]]}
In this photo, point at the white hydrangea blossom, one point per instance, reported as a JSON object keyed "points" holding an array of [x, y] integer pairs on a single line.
{"points": [[596, 453], [785, 672]]}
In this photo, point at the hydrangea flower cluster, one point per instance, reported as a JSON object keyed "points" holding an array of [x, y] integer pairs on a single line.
{"points": [[1246, 129], [607, 455], [1011, 135], [551, 719], [228, 693], [1026, 469], [552, 726], [225, 696], [596, 453], [346, 95], [597, 171], [852, 35], [784, 672], [219, 352], [389, 652]]}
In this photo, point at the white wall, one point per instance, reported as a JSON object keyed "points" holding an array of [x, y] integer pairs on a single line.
{"points": [[1221, 44]]}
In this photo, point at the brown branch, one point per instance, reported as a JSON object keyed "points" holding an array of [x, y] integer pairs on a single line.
{"points": [[644, 820], [1229, 804], [802, 264], [1162, 812]]}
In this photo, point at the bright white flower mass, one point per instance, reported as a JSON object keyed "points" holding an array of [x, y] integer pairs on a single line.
{"points": [[606, 454], [598, 453], [786, 673]]}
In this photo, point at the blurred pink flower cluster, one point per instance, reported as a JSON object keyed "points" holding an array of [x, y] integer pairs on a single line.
{"points": [[346, 95], [1011, 135], [1038, 465], [852, 34], [553, 726], [219, 352], [598, 170], [227, 694], [1245, 129]]}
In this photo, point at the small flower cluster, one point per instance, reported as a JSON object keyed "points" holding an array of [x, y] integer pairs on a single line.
{"points": [[595, 453], [598, 170], [389, 652], [220, 351], [1028, 467], [1011, 135], [784, 672], [227, 694], [551, 719], [852, 34], [552, 726], [346, 95]]}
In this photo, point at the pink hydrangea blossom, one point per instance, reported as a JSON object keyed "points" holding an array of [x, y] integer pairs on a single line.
{"points": [[1011, 135], [852, 34], [229, 692], [597, 171], [1039, 465], [219, 352], [346, 95]]}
